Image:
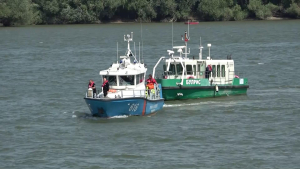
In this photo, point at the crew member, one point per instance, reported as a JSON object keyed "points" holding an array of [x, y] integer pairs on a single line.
{"points": [[150, 82], [207, 71], [93, 86], [105, 86]]}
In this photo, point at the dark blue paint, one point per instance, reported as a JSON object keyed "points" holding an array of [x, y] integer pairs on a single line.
{"points": [[124, 106]]}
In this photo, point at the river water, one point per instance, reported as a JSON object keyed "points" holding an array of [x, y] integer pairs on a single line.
{"points": [[45, 123]]}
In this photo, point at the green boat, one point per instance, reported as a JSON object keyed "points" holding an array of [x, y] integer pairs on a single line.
{"points": [[191, 78]]}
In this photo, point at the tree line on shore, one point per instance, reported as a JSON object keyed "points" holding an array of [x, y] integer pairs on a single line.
{"points": [[24, 12]]}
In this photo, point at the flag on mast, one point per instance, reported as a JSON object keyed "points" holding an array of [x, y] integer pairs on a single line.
{"points": [[186, 38]]}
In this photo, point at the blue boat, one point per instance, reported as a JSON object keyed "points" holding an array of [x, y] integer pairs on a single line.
{"points": [[127, 93]]}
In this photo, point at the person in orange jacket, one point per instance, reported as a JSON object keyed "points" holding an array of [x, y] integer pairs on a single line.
{"points": [[150, 82]]}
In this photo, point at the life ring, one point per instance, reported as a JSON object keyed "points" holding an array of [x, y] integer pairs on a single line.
{"points": [[112, 90], [191, 77]]}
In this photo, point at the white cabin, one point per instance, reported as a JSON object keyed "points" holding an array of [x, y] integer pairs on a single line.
{"points": [[125, 78], [179, 66]]}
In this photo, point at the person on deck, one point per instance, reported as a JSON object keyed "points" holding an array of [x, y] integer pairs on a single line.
{"points": [[105, 86], [93, 86], [208, 71], [150, 82]]}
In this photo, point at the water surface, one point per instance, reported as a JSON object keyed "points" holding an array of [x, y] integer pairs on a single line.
{"points": [[44, 72]]}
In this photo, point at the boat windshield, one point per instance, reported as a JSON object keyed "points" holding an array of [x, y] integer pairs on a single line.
{"points": [[126, 80], [112, 80], [175, 69], [171, 70], [139, 78], [179, 68]]}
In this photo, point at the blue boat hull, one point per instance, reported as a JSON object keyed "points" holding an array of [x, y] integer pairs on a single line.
{"points": [[135, 106]]}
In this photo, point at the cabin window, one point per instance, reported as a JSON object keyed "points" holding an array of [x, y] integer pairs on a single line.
{"points": [[179, 69], [194, 69], [223, 70], [137, 78], [189, 69], [112, 80], [214, 70], [218, 70], [126, 80], [172, 70], [141, 77], [164, 67]]}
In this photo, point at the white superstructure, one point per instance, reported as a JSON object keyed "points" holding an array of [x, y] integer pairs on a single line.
{"points": [[179, 66], [126, 78]]}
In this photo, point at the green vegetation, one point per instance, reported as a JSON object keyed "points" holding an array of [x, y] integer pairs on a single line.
{"points": [[22, 12]]}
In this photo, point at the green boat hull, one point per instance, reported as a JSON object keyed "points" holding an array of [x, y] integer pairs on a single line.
{"points": [[203, 89]]}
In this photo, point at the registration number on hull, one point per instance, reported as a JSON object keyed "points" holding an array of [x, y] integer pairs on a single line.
{"points": [[192, 82]]}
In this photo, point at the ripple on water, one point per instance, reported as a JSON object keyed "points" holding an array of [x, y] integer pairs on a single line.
{"points": [[45, 122]]}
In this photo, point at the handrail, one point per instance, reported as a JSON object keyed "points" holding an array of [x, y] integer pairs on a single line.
{"points": [[134, 93], [183, 69], [153, 74]]}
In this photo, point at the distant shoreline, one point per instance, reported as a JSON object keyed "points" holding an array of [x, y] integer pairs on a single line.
{"points": [[271, 18]]}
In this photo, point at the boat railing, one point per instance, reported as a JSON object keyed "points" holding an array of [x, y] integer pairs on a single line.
{"points": [[151, 94], [217, 77], [131, 93], [223, 79]]}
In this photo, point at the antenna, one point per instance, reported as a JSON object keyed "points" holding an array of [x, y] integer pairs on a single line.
{"points": [[142, 42], [134, 50], [189, 28], [139, 52], [117, 52], [208, 45], [172, 35], [200, 47], [200, 41]]}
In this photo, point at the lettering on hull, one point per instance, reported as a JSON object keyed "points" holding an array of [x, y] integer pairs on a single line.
{"points": [[153, 108], [133, 107], [192, 82]]}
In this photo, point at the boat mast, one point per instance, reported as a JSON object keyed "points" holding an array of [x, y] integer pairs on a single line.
{"points": [[186, 38], [129, 39], [117, 53], [134, 50], [172, 35], [200, 47], [142, 42]]}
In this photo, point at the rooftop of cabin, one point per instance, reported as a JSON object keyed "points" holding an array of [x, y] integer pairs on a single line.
{"points": [[119, 69]]}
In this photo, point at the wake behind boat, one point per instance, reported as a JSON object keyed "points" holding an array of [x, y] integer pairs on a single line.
{"points": [[127, 94]]}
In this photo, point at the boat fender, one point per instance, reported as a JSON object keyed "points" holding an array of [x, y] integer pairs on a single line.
{"points": [[191, 77], [146, 92], [90, 92], [112, 90], [217, 88]]}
